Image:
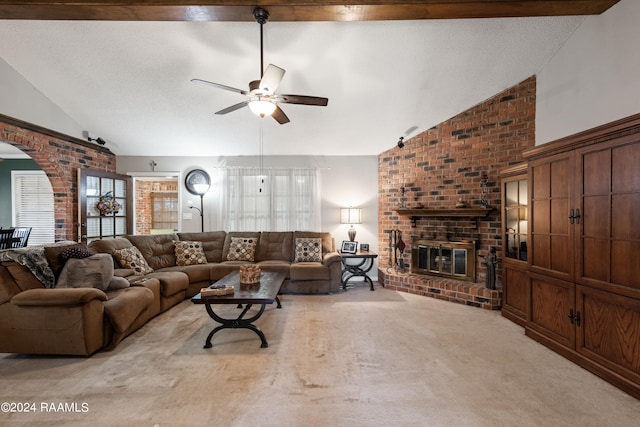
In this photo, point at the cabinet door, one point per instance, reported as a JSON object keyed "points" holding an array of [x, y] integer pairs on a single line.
{"points": [[551, 311], [609, 331], [514, 293], [608, 234], [550, 189]]}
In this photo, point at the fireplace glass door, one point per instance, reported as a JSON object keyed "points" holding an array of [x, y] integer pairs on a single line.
{"points": [[452, 259]]}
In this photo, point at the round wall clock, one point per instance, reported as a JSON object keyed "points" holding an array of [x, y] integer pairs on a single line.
{"points": [[197, 182]]}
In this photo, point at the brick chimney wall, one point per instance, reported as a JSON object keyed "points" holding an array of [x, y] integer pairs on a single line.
{"points": [[59, 156], [446, 163]]}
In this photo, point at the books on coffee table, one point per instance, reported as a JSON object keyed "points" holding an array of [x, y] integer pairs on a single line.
{"points": [[217, 290]]}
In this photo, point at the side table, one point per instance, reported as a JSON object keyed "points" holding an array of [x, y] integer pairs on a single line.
{"points": [[357, 270]]}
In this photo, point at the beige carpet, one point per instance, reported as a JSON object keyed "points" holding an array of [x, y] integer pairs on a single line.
{"points": [[357, 358]]}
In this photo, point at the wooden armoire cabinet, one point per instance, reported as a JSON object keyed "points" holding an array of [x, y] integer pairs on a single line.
{"points": [[583, 297]]}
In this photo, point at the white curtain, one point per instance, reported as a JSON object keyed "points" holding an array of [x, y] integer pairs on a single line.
{"points": [[257, 199]]}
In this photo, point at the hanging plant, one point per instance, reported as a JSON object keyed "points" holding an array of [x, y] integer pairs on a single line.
{"points": [[107, 205]]}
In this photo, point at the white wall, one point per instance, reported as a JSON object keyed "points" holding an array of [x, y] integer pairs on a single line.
{"points": [[344, 181], [22, 101], [594, 78]]}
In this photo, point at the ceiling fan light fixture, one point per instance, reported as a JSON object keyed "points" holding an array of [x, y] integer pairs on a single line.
{"points": [[262, 107]]}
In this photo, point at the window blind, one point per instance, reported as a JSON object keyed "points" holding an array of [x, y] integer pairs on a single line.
{"points": [[33, 205]]}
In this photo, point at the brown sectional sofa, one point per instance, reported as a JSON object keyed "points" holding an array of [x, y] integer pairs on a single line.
{"points": [[80, 321]]}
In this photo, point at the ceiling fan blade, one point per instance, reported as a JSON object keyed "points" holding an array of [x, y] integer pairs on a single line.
{"points": [[219, 86], [233, 107], [271, 78], [280, 116], [303, 100]]}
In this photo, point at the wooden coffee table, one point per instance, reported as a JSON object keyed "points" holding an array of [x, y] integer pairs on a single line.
{"points": [[266, 292]]}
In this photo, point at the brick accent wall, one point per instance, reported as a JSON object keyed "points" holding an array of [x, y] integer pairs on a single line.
{"points": [[59, 156], [444, 164]]}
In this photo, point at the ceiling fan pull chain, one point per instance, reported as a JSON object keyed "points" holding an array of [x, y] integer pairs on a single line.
{"points": [[261, 139]]}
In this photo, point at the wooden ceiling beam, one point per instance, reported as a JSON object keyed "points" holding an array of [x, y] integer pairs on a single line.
{"points": [[282, 10]]}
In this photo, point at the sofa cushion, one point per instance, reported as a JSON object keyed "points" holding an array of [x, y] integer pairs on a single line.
{"points": [[308, 249], [133, 259], [309, 271], [125, 305], [242, 249], [220, 270], [189, 253], [156, 249], [275, 245], [94, 271], [276, 266], [109, 245], [327, 239], [196, 272], [8, 286], [23, 277], [171, 282], [212, 243]]}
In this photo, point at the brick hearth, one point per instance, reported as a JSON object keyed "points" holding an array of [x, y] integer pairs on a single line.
{"points": [[467, 293]]}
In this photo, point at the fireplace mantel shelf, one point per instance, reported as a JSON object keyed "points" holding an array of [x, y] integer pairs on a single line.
{"points": [[443, 212], [461, 212]]}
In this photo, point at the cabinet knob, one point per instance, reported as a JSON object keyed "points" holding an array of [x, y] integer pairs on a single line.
{"points": [[571, 315]]}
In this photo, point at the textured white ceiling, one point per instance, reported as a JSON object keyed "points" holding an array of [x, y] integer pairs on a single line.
{"points": [[129, 82]]}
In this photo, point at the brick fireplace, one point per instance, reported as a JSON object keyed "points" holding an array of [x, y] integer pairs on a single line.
{"points": [[420, 184]]}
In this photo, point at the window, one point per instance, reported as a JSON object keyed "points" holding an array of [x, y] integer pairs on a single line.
{"points": [[33, 205], [164, 211], [256, 199], [95, 189]]}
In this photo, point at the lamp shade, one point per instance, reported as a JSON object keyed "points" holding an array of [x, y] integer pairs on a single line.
{"points": [[261, 107], [201, 189], [350, 216]]}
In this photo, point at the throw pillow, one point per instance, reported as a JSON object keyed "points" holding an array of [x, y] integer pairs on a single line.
{"points": [[189, 253], [95, 271], [242, 249], [57, 260], [308, 249], [74, 252], [133, 259]]}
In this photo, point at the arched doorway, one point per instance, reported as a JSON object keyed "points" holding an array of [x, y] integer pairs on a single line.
{"points": [[60, 156], [26, 194]]}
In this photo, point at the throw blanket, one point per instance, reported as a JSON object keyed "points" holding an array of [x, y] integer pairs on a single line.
{"points": [[33, 258]]}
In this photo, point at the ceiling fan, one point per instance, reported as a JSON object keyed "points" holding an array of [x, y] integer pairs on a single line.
{"points": [[263, 100]]}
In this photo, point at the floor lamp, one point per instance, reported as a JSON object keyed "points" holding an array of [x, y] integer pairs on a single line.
{"points": [[198, 183]]}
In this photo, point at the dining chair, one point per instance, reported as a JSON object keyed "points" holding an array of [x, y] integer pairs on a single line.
{"points": [[6, 238], [20, 237]]}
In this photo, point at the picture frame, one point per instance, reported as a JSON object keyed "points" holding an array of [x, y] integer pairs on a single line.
{"points": [[364, 247], [349, 247]]}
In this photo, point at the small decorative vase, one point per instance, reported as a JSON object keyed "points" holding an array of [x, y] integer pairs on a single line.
{"points": [[249, 274], [461, 204]]}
